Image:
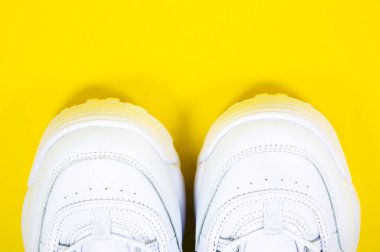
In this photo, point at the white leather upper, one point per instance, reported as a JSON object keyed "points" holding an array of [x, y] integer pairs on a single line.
{"points": [[111, 173], [273, 160], [270, 181]]}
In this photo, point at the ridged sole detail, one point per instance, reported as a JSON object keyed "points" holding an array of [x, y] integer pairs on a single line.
{"points": [[279, 106], [110, 113]]}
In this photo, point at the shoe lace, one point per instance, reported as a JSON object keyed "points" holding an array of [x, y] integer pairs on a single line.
{"points": [[239, 242], [76, 247]]}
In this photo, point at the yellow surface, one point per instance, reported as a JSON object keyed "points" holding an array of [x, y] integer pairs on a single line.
{"points": [[186, 61]]}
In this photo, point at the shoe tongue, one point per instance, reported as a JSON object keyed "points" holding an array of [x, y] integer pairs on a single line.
{"points": [[272, 239], [101, 235], [105, 246], [270, 243]]}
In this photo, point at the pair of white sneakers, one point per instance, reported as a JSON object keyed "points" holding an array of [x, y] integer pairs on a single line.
{"points": [[271, 177]]}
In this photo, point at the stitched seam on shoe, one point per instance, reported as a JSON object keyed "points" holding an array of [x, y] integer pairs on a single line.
{"points": [[82, 210], [139, 229], [273, 148], [289, 220], [67, 208], [242, 229], [121, 226], [230, 212], [298, 220], [129, 201], [96, 156], [253, 215], [126, 210], [81, 228], [250, 216], [249, 195]]}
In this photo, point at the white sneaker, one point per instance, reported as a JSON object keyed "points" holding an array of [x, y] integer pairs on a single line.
{"points": [[105, 178], [272, 177]]}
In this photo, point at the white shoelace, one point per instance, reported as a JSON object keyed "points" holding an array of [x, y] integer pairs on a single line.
{"points": [[237, 243], [128, 242]]}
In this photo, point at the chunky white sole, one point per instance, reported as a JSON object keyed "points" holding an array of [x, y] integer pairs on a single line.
{"points": [[107, 113], [281, 107]]}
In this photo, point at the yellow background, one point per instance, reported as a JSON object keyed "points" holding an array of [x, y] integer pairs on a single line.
{"points": [[186, 62]]}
